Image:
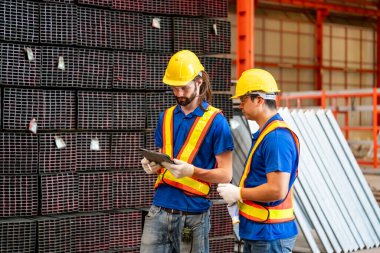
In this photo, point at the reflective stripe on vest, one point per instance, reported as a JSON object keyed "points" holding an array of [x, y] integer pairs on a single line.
{"points": [[267, 214], [188, 151]]}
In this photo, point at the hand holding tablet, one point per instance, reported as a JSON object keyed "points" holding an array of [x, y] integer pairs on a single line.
{"points": [[156, 157]]}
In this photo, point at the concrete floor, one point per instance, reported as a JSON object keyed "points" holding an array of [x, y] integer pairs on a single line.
{"points": [[373, 179]]}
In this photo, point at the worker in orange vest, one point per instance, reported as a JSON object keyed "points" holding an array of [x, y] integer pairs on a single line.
{"points": [[197, 137], [265, 194]]}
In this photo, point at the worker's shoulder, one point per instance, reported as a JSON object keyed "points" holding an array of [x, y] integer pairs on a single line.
{"points": [[220, 118], [279, 133]]}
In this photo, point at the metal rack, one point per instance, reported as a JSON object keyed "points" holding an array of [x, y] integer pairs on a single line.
{"points": [[329, 100], [85, 76]]}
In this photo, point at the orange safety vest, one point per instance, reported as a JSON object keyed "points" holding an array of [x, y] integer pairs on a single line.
{"points": [[189, 149], [267, 214]]}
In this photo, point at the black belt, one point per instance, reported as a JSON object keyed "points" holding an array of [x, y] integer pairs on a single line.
{"points": [[174, 211]]}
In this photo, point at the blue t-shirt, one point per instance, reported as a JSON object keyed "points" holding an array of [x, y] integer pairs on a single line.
{"points": [[218, 140], [277, 152]]}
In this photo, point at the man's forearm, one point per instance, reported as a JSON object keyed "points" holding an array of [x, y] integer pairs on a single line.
{"points": [[216, 175]]}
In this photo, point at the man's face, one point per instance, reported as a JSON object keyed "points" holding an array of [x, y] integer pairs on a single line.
{"points": [[250, 107], [186, 94]]}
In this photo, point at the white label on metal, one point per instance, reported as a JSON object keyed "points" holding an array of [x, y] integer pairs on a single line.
{"points": [[59, 142], [33, 126], [214, 26], [95, 144], [156, 23], [61, 63], [29, 53]]}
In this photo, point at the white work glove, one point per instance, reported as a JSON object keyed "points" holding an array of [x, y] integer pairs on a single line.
{"points": [[150, 167], [179, 168], [233, 210], [229, 192]]}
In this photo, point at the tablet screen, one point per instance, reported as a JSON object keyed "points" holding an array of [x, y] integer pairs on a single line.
{"points": [[154, 156]]}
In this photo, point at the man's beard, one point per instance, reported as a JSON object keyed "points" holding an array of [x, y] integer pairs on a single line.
{"points": [[185, 101]]}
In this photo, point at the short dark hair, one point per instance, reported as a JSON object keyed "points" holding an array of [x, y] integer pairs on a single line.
{"points": [[269, 102]]}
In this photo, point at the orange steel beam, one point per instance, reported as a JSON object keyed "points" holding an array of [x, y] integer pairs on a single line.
{"points": [[245, 31], [323, 99], [327, 95], [362, 3], [378, 62], [352, 10], [306, 66], [357, 128], [321, 15], [310, 66], [375, 126], [365, 162], [346, 118]]}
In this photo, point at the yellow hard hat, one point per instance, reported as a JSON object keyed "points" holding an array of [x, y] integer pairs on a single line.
{"points": [[255, 80], [182, 68]]}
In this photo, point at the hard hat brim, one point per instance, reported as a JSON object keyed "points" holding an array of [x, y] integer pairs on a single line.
{"points": [[175, 83]]}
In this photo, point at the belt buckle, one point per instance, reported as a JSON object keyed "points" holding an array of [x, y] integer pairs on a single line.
{"points": [[171, 210]]}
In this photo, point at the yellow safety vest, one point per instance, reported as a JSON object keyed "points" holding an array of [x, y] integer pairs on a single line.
{"points": [[267, 214], [189, 149]]}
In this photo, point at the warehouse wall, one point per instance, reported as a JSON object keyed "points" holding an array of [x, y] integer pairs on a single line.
{"points": [[285, 45]]}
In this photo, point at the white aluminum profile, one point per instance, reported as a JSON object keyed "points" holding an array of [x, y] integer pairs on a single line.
{"points": [[306, 189], [322, 189], [363, 192], [349, 203], [242, 143], [355, 167], [302, 221], [337, 184]]}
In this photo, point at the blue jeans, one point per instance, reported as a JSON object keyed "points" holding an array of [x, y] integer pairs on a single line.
{"points": [[275, 246], [162, 232]]}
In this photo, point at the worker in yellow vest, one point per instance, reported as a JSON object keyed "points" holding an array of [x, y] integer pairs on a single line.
{"points": [[265, 192], [197, 137]]}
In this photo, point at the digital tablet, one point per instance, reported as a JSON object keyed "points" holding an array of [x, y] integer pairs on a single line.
{"points": [[156, 157]]}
